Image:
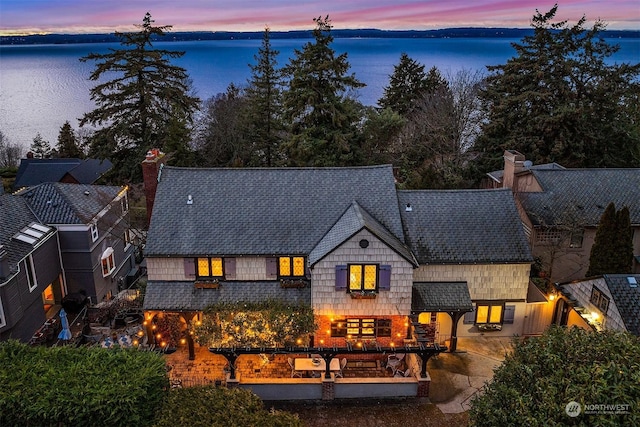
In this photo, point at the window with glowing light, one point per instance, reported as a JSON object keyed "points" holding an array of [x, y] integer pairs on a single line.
{"points": [[291, 266], [363, 277], [489, 313], [361, 328], [209, 268], [108, 262]]}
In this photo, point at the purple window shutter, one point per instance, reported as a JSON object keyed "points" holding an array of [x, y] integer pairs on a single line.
{"points": [[341, 277], [230, 268], [190, 268], [272, 268], [384, 278]]}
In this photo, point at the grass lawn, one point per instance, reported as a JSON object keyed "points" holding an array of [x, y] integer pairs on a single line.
{"points": [[374, 413]]}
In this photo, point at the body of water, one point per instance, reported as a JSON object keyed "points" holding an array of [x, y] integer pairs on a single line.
{"points": [[42, 86]]}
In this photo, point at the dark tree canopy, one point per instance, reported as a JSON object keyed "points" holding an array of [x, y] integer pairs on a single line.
{"points": [[612, 250], [322, 119], [264, 105], [135, 107], [40, 147], [408, 84], [560, 100], [536, 383], [68, 146]]}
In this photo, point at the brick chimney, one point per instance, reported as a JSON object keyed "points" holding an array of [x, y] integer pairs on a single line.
{"points": [[513, 163], [151, 166]]}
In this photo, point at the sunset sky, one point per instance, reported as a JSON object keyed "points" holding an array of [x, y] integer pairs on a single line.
{"points": [[105, 16]]}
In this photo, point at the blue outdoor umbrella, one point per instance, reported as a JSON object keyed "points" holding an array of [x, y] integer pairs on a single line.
{"points": [[65, 333]]}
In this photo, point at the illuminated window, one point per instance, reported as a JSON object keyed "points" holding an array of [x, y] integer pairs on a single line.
{"points": [[291, 266], [489, 313], [108, 262], [210, 267], [361, 328], [363, 277]]}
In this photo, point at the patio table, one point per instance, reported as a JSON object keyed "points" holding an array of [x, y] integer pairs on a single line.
{"points": [[307, 364]]}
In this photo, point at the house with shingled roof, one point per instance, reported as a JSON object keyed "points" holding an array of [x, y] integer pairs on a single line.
{"points": [[31, 276], [561, 208], [70, 170], [607, 302], [370, 260], [92, 221]]}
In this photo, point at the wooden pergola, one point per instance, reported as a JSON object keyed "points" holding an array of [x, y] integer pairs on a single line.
{"points": [[424, 351]]}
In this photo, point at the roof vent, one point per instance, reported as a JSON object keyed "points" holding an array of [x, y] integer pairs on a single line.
{"points": [[190, 199], [633, 283], [86, 193], [408, 208]]}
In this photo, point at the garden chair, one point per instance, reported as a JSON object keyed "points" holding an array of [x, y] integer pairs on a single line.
{"points": [[294, 373], [343, 364]]}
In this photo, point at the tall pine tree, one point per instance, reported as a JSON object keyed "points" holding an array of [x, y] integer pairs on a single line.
{"points": [[322, 119], [68, 143], [561, 100], [612, 250], [264, 105], [135, 106], [40, 147]]}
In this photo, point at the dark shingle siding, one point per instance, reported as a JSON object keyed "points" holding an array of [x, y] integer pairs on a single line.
{"points": [[627, 299], [582, 194], [463, 226], [262, 211], [181, 296]]}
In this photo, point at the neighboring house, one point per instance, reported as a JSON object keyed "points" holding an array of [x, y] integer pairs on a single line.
{"points": [[611, 302], [561, 208], [93, 229], [74, 171], [31, 277], [334, 238]]}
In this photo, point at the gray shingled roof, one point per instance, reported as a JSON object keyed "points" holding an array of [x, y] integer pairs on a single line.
{"points": [[582, 195], [182, 296], [38, 171], [14, 216], [463, 226], [354, 219], [440, 296], [627, 299], [263, 211], [90, 170], [58, 203]]}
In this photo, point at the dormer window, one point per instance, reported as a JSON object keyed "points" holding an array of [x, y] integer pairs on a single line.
{"points": [[600, 300], [108, 262], [94, 232], [291, 266], [363, 277], [208, 268]]}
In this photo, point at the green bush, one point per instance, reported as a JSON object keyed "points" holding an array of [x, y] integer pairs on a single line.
{"points": [[210, 406], [535, 384], [68, 386]]}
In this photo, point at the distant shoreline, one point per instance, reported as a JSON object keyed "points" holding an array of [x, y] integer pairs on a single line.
{"points": [[298, 34]]}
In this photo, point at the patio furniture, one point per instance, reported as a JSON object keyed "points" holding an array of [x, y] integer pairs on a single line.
{"points": [[394, 361], [294, 372], [316, 365], [343, 364]]}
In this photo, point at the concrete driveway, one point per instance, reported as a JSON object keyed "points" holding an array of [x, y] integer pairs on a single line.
{"points": [[457, 377]]}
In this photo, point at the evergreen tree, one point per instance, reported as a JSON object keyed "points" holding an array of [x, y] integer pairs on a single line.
{"points": [[68, 144], [321, 118], [408, 84], [136, 105], [265, 105], [560, 100], [40, 148], [624, 240], [612, 250]]}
